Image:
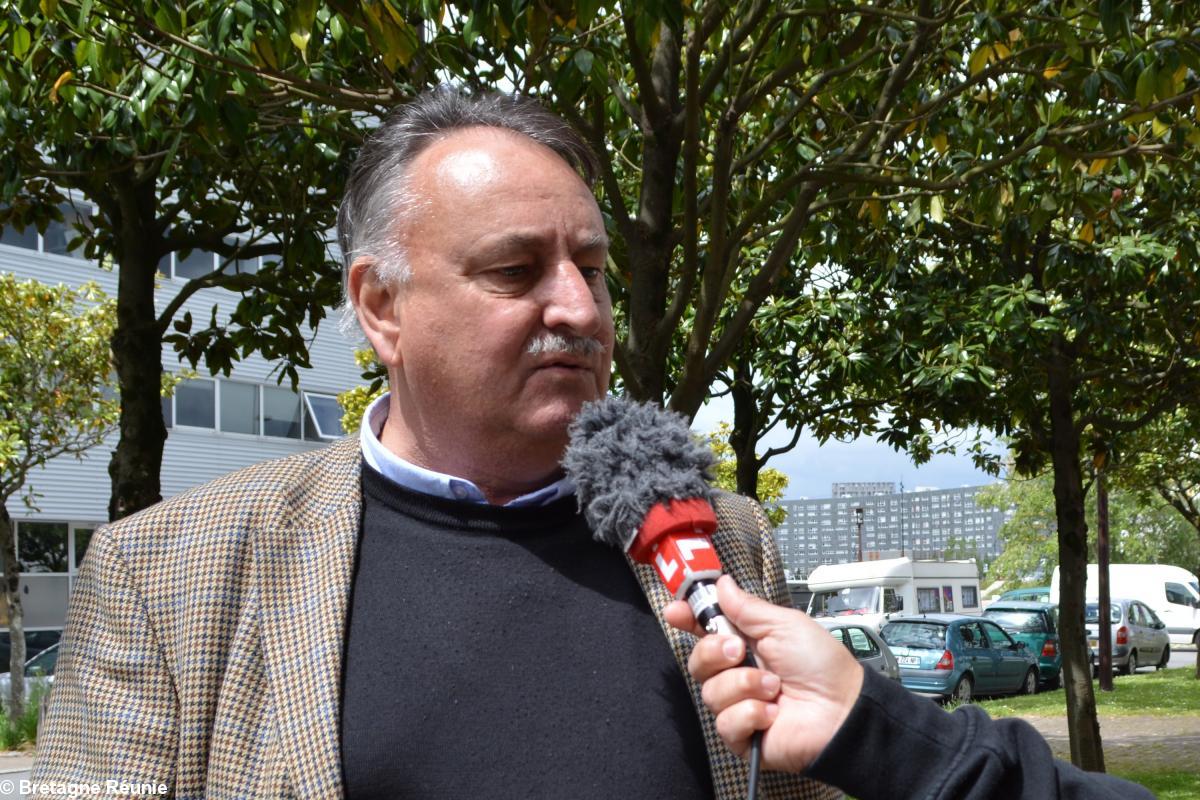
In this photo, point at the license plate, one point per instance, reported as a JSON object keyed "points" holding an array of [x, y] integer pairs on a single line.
{"points": [[909, 661]]}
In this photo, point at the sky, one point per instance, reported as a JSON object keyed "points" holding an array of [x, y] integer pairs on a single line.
{"points": [[812, 467]]}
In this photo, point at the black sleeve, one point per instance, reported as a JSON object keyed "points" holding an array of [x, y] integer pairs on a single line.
{"points": [[897, 744]]}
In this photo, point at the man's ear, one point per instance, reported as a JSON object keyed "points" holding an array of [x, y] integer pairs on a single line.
{"points": [[375, 305]]}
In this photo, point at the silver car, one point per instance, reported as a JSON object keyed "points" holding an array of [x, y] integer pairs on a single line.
{"points": [[865, 645], [1139, 637], [38, 670]]}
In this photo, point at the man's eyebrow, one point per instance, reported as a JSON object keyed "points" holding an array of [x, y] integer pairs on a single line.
{"points": [[519, 240]]}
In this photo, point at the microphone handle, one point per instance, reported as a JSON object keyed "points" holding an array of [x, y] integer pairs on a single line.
{"points": [[702, 597]]}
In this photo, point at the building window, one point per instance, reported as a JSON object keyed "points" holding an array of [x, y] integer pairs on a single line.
{"points": [[57, 237], [239, 407], [281, 412], [195, 403], [969, 597], [196, 264], [324, 417], [83, 537], [42, 546]]}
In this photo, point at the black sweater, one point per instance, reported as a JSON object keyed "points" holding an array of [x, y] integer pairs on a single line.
{"points": [[500, 652]]}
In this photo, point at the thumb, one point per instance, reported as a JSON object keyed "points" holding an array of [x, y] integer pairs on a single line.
{"points": [[751, 615]]}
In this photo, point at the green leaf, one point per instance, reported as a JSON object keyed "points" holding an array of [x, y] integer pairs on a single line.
{"points": [[21, 41], [979, 59], [1146, 84], [937, 209], [583, 60]]}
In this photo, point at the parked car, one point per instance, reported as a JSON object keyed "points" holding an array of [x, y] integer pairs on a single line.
{"points": [[1035, 624], [1138, 636], [40, 668], [1036, 594], [957, 657], [35, 642], [866, 645]]}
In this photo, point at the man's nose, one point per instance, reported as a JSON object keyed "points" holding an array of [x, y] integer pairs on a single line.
{"points": [[571, 301]]}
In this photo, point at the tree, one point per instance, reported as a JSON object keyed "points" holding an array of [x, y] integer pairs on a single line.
{"points": [[178, 157], [1163, 461], [771, 483], [1054, 303], [55, 400], [1143, 530]]}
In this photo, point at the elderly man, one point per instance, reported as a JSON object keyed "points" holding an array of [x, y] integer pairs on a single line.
{"points": [[421, 612]]}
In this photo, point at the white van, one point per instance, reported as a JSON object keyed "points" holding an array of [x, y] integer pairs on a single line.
{"points": [[874, 591], [1173, 593]]}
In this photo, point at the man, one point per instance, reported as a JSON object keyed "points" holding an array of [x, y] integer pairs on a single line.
{"points": [[423, 612]]}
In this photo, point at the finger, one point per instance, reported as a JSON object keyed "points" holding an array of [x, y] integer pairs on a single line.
{"points": [[751, 615], [737, 724], [734, 686], [712, 654], [679, 615]]}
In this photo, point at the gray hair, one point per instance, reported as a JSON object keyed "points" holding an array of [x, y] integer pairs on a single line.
{"points": [[377, 195]]}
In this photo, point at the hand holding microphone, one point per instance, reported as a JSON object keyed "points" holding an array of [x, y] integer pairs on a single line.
{"points": [[799, 696]]}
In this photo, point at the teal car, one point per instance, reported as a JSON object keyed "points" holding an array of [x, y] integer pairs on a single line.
{"points": [[1035, 594], [1035, 624]]}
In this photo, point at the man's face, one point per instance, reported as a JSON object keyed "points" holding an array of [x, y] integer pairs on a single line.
{"points": [[506, 246]]}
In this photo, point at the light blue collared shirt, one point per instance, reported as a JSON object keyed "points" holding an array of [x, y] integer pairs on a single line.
{"points": [[426, 481]]}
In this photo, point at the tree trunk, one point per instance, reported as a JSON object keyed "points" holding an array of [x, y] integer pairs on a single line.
{"points": [[1082, 722], [744, 435], [137, 354], [16, 627]]}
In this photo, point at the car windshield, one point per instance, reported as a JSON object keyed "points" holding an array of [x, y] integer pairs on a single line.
{"points": [[920, 635], [43, 663], [859, 600], [1091, 613], [1015, 621]]}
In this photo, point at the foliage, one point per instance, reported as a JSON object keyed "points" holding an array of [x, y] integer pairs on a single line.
{"points": [[22, 730], [55, 384], [55, 400], [1164, 463], [771, 482], [354, 401], [1165, 693], [179, 154], [1142, 530]]}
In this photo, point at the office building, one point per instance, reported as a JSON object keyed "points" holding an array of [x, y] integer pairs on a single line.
{"points": [[924, 524]]}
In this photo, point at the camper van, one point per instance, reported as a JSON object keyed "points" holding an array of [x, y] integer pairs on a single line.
{"points": [[874, 591], [1173, 593]]}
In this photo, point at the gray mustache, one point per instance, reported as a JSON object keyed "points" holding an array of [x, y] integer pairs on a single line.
{"points": [[557, 343]]}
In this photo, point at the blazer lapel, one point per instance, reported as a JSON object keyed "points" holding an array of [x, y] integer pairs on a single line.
{"points": [[304, 565], [728, 771]]}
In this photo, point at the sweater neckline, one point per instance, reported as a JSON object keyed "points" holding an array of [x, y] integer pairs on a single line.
{"points": [[469, 516]]}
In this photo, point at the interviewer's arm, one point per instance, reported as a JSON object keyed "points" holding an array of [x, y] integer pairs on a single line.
{"points": [[867, 735]]}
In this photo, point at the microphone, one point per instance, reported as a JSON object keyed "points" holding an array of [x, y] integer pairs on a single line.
{"points": [[641, 479]]}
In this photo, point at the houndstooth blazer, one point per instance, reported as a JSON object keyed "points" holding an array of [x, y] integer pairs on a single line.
{"points": [[203, 644]]}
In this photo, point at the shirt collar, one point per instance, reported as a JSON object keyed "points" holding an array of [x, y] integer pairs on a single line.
{"points": [[426, 481]]}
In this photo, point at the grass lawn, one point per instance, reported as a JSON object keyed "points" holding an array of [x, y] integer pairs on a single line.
{"points": [[1166, 693], [1166, 785]]}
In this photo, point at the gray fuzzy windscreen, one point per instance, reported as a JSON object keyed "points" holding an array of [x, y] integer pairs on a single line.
{"points": [[626, 457]]}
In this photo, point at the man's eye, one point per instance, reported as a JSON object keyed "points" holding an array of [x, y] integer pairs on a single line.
{"points": [[591, 274], [516, 271]]}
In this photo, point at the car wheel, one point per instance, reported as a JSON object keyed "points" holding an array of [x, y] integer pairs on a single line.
{"points": [[1055, 682], [1166, 656], [1131, 665], [1030, 685], [962, 690]]}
